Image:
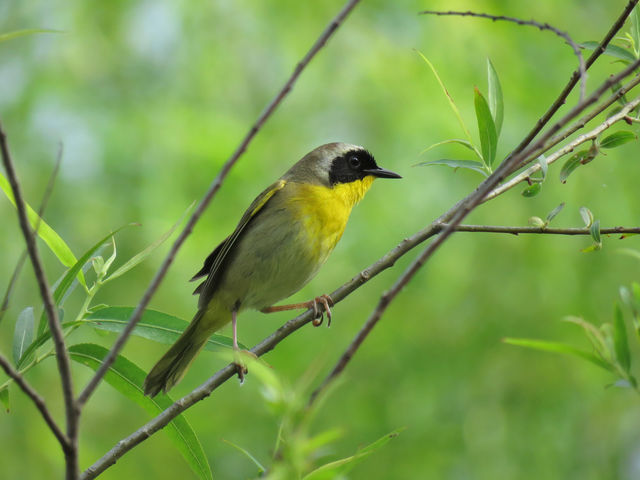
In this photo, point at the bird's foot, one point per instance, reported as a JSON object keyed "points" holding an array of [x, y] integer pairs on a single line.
{"points": [[318, 314], [241, 366]]}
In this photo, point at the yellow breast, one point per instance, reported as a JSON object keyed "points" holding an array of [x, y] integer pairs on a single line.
{"points": [[324, 211]]}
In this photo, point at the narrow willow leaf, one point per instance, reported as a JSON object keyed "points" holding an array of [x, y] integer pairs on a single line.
{"points": [[486, 128], [620, 341], [554, 213], [595, 232], [449, 98], [4, 398], [67, 280], [136, 259], [592, 248], [339, 468], [616, 139], [532, 190], [157, 326], [594, 335], [544, 166], [556, 347], [127, 378], [55, 243], [247, 454], [587, 216], [458, 141], [495, 97], [612, 51], [22, 33], [635, 29], [455, 164], [23, 333], [570, 165]]}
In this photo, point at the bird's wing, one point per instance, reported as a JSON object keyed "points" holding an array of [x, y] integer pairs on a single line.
{"points": [[214, 264]]}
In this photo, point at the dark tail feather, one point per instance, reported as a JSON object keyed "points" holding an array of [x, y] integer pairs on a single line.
{"points": [[173, 365]]}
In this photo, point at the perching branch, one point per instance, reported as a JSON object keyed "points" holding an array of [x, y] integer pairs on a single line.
{"points": [[582, 71], [287, 329], [62, 356], [540, 230], [213, 188]]}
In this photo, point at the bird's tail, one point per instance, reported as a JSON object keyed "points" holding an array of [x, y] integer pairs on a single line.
{"points": [[173, 365]]}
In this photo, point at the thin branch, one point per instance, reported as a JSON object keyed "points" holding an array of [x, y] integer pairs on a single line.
{"points": [[454, 216], [582, 71], [540, 230], [213, 188], [62, 356], [37, 400], [523, 176], [562, 98]]}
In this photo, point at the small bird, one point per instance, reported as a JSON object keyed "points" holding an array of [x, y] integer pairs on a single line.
{"points": [[281, 241]]}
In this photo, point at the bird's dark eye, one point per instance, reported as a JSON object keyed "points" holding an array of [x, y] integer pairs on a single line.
{"points": [[354, 162]]}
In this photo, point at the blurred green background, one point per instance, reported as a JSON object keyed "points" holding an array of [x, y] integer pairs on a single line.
{"points": [[149, 98]]}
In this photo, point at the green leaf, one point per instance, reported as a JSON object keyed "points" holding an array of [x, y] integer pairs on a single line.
{"points": [[544, 166], [616, 139], [127, 378], [22, 33], [532, 190], [570, 165], [4, 398], [556, 347], [486, 128], [446, 92], [244, 451], [455, 164], [635, 29], [136, 259], [67, 280], [587, 216], [459, 141], [55, 243], [495, 97], [23, 334], [341, 467], [554, 213], [620, 340], [595, 232], [157, 326], [612, 51]]}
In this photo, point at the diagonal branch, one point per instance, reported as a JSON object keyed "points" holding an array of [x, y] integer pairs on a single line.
{"points": [[540, 230], [213, 188], [62, 356], [531, 23]]}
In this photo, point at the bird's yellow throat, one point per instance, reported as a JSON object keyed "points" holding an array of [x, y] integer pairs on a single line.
{"points": [[324, 211]]}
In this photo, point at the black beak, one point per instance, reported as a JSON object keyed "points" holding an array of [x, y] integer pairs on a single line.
{"points": [[381, 173]]}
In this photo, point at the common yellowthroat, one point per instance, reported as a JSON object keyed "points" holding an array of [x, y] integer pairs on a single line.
{"points": [[281, 241]]}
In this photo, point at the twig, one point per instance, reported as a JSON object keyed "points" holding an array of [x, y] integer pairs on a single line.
{"points": [[531, 23], [575, 76], [523, 176], [267, 345], [454, 216], [213, 188], [539, 230], [36, 399], [62, 356]]}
